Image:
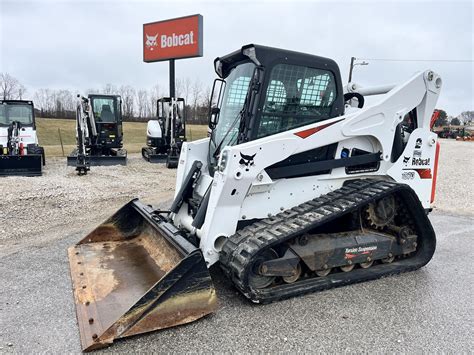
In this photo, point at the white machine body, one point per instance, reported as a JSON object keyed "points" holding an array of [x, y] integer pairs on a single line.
{"points": [[245, 191], [153, 129], [27, 136]]}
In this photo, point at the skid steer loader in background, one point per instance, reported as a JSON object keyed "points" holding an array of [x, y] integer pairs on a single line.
{"points": [[300, 188], [20, 153], [165, 135], [99, 133]]}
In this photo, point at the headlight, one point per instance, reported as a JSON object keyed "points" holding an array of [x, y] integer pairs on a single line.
{"points": [[223, 160]]}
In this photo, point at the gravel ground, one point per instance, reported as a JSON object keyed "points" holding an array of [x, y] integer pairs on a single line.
{"points": [[455, 186], [39, 209], [42, 216]]}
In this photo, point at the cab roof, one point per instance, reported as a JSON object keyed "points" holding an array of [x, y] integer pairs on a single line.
{"points": [[264, 56]]}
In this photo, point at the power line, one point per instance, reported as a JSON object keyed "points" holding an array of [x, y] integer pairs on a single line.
{"points": [[419, 60]]}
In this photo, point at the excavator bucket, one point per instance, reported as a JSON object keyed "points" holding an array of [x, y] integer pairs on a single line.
{"points": [[117, 158], [136, 273]]}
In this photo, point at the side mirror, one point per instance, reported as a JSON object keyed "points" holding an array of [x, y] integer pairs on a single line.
{"points": [[214, 117]]}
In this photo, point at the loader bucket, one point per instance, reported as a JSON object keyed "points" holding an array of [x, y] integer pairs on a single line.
{"points": [[136, 273], [21, 165]]}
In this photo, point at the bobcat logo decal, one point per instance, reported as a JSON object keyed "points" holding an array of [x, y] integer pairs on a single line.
{"points": [[247, 160], [151, 41], [405, 160]]}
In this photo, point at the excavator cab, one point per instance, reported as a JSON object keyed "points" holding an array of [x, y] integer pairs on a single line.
{"points": [[108, 118]]}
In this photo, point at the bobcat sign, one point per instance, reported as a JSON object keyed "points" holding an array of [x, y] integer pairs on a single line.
{"points": [[172, 39]]}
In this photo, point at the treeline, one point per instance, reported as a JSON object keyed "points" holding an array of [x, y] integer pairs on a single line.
{"points": [[137, 104], [466, 117], [140, 104]]}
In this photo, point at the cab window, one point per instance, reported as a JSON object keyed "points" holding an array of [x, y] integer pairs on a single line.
{"points": [[104, 109], [296, 96]]}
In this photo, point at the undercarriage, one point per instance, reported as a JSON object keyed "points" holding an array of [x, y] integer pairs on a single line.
{"points": [[362, 231]]}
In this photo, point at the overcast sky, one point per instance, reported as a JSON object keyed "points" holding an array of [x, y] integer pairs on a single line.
{"points": [[79, 45]]}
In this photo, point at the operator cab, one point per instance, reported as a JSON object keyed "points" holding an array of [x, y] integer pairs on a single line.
{"points": [[262, 91], [107, 113], [17, 111]]}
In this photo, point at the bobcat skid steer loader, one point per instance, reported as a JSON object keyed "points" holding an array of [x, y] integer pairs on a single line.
{"points": [[300, 188], [20, 153], [165, 135]]}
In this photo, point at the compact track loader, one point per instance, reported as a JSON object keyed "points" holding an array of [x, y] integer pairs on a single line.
{"points": [[165, 135], [99, 133], [20, 153], [300, 188]]}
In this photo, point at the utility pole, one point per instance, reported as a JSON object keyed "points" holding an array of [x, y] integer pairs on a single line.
{"points": [[353, 64]]}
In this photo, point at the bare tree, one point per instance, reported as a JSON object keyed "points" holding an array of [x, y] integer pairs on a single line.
{"points": [[177, 87], [153, 95], [466, 116], [55, 103], [196, 96], [21, 91], [109, 89], [9, 86], [128, 99], [91, 91], [142, 103], [183, 88]]}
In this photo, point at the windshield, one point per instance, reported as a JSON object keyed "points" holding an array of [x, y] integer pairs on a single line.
{"points": [[22, 113], [235, 92], [104, 109]]}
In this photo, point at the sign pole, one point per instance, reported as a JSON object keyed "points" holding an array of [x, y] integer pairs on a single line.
{"points": [[172, 79]]}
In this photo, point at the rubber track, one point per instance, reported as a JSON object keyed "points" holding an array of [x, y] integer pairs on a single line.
{"points": [[240, 249]]}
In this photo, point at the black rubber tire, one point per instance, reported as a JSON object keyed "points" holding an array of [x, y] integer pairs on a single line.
{"points": [[36, 149], [43, 156]]}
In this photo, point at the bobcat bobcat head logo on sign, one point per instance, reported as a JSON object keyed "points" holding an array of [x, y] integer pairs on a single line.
{"points": [[247, 160], [151, 41]]}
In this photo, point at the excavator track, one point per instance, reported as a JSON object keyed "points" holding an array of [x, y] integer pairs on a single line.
{"points": [[350, 205]]}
